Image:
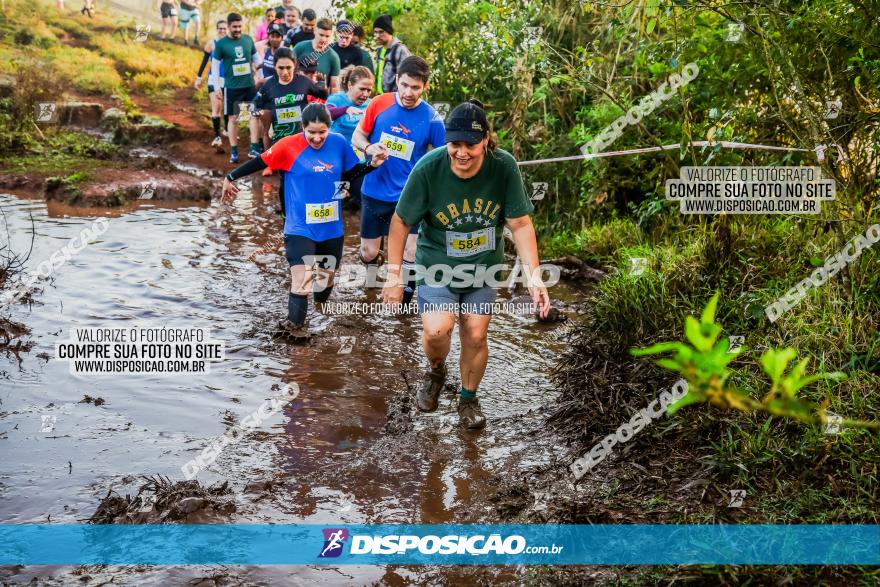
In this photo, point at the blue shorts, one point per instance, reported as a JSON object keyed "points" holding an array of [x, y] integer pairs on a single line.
{"points": [[376, 217], [296, 247], [441, 299]]}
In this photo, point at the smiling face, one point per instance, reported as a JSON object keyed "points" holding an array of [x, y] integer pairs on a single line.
{"points": [[465, 158], [316, 134], [235, 29], [410, 90]]}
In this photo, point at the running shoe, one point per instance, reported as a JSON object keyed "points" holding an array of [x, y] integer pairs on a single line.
{"points": [[429, 392], [290, 332], [469, 413], [217, 142], [253, 153], [233, 157]]}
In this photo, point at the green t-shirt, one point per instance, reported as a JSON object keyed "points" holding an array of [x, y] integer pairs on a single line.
{"points": [[236, 57], [328, 60], [462, 219]]}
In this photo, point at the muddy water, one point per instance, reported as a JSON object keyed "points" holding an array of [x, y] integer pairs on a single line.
{"points": [[184, 265]]}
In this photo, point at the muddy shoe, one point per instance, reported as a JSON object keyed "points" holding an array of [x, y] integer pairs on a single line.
{"points": [[470, 415], [288, 331], [429, 392]]}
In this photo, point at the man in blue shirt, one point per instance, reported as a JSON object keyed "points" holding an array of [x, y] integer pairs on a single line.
{"points": [[402, 127]]}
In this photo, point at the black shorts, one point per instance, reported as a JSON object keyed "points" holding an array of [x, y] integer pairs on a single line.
{"points": [[376, 217], [232, 97], [166, 9], [296, 247]]}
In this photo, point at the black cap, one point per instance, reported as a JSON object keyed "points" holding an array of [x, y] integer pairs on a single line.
{"points": [[468, 123], [274, 28], [384, 23]]}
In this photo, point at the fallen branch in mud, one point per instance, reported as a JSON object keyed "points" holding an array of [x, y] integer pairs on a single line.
{"points": [[160, 501]]}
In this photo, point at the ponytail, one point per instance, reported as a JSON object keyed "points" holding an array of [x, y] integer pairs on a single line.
{"points": [[492, 144], [352, 75]]}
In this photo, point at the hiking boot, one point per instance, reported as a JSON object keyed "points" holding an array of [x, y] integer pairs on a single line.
{"points": [[429, 392], [470, 415], [290, 332]]}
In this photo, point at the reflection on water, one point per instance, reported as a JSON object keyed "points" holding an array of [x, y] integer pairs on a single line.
{"points": [[185, 265]]}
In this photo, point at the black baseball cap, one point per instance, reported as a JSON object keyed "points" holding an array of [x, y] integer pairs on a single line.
{"points": [[467, 123], [274, 28]]}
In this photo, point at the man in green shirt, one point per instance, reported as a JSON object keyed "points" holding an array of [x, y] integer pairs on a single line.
{"points": [[237, 55], [319, 48], [463, 195]]}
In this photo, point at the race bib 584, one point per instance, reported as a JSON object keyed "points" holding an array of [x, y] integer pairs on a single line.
{"points": [[465, 244]]}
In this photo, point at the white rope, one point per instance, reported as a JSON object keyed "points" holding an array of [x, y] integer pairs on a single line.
{"points": [[819, 150]]}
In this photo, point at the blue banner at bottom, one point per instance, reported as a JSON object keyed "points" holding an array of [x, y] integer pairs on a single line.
{"points": [[449, 544]]}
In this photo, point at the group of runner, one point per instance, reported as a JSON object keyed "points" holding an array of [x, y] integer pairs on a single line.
{"points": [[439, 193], [185, 14]]}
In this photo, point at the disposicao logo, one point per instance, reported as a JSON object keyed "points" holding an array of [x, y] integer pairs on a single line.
{"points": [[473, 545], [334, 538]]}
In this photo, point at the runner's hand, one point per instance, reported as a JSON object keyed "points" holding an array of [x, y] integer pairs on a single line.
{"points": [[377, 150], [392, 291], [198, 82], [230, 191], [541, 300], [353, 111]]}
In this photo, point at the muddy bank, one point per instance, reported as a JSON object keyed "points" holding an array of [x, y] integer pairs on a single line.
{"points": [[101, 163]]}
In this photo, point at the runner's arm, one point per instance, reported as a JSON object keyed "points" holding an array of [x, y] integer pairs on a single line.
{"points": [[206, 58], [358, 171], [337, 111], [214, 76], [360, 141], [392, 292], [229, 187], [318, 92], [252, 166], [527, 248], [256, 62]]}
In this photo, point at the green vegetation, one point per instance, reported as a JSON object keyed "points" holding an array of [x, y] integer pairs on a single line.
{"points": [[595, 60]]}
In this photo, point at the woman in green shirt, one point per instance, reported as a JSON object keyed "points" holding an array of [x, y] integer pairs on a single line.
{"points": [[463, 195]]}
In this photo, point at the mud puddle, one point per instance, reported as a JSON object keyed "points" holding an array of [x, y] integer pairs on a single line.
{"points": [[326, 458]]}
